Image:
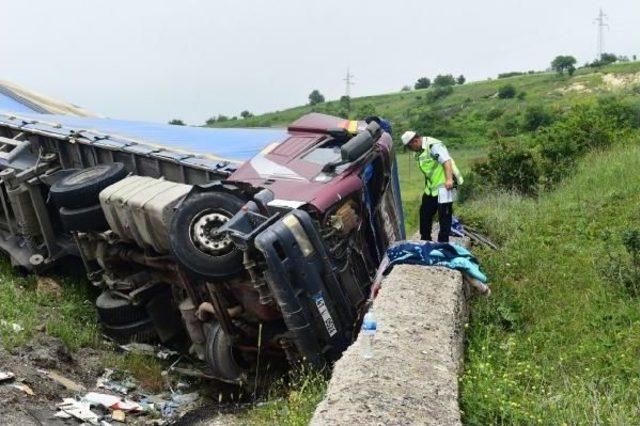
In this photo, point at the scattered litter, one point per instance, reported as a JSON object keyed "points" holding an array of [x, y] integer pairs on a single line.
{"points": [[147, 349], [111, 401], [166, 354], [80, 410], [48, 287], [123, 386], [6, 376], [62, 415], [118, 415], [17, 328], [67, 383], [24, 388], [141, 348]]}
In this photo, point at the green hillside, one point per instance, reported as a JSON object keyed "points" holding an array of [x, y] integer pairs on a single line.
{"points": [[470, 113]]}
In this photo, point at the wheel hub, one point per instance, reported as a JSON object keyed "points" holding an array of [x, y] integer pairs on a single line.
{"points": [[204, 236]]}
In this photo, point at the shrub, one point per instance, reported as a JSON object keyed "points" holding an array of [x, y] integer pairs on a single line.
{"points": [[527, 165], [522, 95], [536, 116], [623, 268], [444, 80], [507, 91], [438, 92], [422, 83], [494, 113]]}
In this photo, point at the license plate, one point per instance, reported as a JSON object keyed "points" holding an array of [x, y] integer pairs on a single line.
{"points": [[326, 316]]}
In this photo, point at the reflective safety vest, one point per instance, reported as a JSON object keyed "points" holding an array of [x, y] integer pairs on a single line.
{"points": [[434, 174]]}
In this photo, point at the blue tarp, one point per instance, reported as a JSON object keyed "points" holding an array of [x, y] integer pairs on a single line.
{"points": [[230, 144]]}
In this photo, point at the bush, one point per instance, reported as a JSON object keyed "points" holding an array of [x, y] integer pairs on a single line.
{"points": [[536, 116], [507, 91], [422, 83], [623, 269], [438, 92], [527, 165], [444, 80], [494, 113]]}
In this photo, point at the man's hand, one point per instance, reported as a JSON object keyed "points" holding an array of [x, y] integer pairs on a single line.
{"points": [[448, 183], [448, 172]]}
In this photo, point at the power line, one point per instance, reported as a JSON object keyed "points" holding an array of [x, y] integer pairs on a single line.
{"points": [[601, 20], [348, 80]]}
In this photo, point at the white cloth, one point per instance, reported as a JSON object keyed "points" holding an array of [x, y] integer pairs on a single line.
{"points": [[438, 151]]}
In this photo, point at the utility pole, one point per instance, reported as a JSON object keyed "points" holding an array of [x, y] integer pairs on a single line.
{"points": [[348, 83], [601, 20]]}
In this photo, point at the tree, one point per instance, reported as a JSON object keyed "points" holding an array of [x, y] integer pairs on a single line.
{"points": [[422, 83], [211, 120], [507, 91], [315, 97], [222, 118], [444, 80], [177, 122], [461, 79], [564, 63], [405, 88], [246, 114], [345, 105]]}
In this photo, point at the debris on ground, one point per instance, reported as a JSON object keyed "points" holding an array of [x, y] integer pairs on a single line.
{"points": [[46, 286], [121, 386], [78, 409], [24, 388], [67, 383], [15, 327], [6, 376], [147, 349]]}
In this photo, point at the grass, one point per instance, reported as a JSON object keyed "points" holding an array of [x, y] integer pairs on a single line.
{"points": [[557, 342], [289, 404], [71, 318]]}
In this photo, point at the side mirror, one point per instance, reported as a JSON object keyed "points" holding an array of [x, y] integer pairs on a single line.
{"points": [[357, 145]]}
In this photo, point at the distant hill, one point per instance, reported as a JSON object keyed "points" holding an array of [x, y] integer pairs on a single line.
{"points": [[473, 112]]}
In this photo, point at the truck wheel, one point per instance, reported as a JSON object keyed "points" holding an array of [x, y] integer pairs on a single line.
{"points": [[81, 189], [219, 354], [193, 239], [139, 332], [113, 310], [84, 219]]}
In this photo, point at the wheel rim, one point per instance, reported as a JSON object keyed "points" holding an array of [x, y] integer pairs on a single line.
{"points": [[203, 233]]}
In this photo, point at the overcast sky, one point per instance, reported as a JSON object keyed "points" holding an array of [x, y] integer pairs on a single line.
{"points": [[191, 59]]}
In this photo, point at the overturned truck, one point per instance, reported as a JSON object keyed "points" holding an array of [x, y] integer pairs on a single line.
{"points": [[267, 248]]}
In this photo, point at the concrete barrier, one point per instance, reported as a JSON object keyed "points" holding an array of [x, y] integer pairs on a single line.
{"points": [[413, 375]]}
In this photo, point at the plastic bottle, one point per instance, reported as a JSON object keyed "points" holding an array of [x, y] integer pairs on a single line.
{"points": [[368, 331]]}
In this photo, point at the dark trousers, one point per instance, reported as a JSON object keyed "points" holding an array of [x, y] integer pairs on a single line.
{"points": [[428, 210]]}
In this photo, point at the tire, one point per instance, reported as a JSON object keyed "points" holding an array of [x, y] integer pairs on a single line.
{"points": [[140, 332], [201, 253], [219, 354], [81, 189], [115, 311], [84, 219]]}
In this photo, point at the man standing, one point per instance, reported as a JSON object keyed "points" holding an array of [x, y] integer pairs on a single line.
{"points": [[440, 172]]}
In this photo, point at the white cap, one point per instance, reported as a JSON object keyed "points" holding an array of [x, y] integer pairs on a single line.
{"points": [[407, 136]]}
